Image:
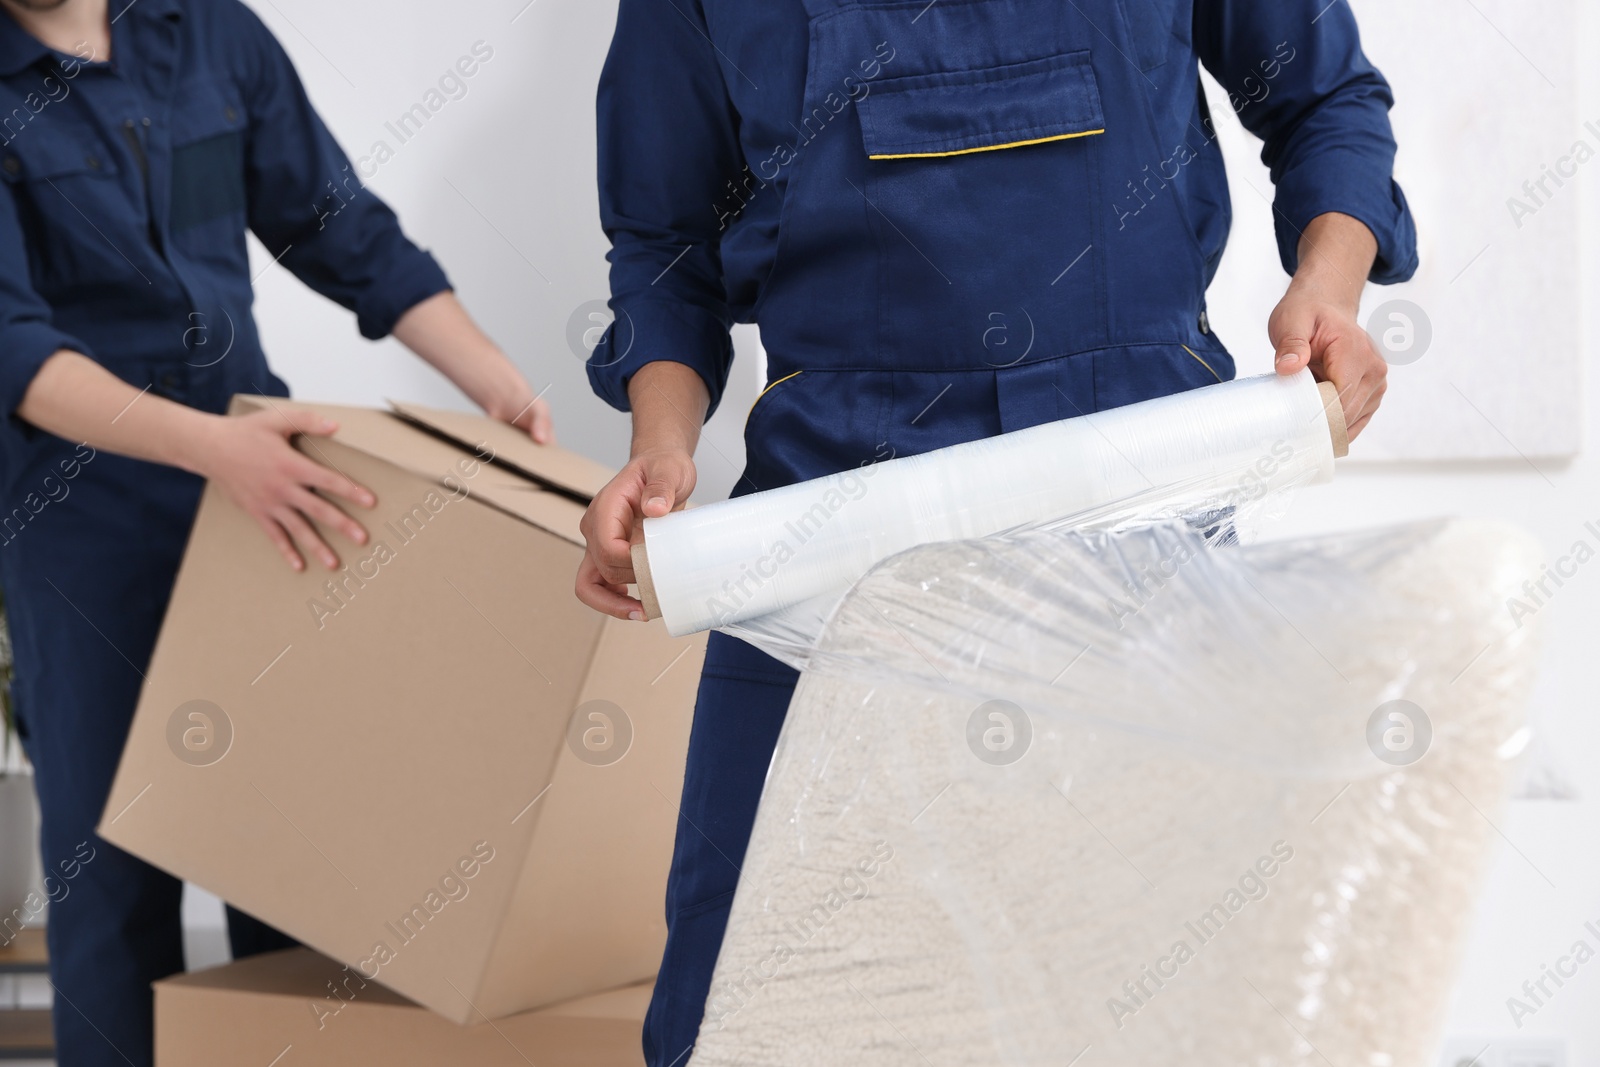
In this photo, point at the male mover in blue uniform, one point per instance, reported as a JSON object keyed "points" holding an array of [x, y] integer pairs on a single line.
{"points": [[950, 219]]}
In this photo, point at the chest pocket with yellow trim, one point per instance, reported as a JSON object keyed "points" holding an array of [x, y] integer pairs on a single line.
{"points": [[952, 113]]}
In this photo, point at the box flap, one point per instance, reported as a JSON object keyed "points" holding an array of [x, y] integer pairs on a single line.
{"points": [[376, 433], [445, 459], [549, 465], [550, 512]]}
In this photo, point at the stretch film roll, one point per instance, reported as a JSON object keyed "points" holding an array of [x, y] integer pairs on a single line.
{"points": [[745, 558]]}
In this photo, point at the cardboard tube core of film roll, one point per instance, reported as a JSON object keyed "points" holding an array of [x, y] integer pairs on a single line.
{"points": [[746, 557], [642, 579], [1334, 410]]}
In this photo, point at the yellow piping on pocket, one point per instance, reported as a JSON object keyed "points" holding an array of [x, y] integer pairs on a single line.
{"points": [[988, 147], [770, 387], [1202, 362]]}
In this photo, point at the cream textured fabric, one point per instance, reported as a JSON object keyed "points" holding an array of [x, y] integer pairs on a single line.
{"points": [[1199, 857]]}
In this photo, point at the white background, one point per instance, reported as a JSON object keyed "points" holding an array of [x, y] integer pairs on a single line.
{"points": [[1487, 97], [500, 185]]}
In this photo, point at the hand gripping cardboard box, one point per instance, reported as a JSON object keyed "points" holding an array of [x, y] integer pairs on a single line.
{"points": [[433, 765], [300, 1008]]}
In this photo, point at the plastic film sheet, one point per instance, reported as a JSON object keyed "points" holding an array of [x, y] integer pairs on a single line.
{"points": [[787, 555], [1124, 793]]}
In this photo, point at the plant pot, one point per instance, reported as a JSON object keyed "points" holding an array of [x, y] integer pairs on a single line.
{"points": [[19, 848]]}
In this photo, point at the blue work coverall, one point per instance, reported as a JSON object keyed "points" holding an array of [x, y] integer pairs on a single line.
{"points": [[126, 190], [951, 219]]}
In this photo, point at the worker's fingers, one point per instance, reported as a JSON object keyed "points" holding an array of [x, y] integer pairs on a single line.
{"points": [[669, 478], [1293, 352], [541, 426], [650, 485], [660, 493], [614, 569], [605, 597], [1291, 329], [533, 419], [1373, 396], [329, 515], [305, 536], [608, 528], [280, 540], [1352, 397], [292, 420], [311, 473], [1348, 360]]}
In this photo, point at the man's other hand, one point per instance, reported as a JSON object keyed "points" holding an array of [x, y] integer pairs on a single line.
{"points": [[651, 485], [1315, 326], [1307, 331]]}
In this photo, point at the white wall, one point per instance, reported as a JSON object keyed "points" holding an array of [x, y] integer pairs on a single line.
{"points": [[1546, 882], [1475, 120], [500, 184]]}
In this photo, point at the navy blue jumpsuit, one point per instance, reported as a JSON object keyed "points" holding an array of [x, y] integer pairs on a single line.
{"points": [[126, 190], [951, 219]]}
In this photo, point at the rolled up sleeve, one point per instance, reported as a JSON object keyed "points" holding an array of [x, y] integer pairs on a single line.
{"points": [[1302, 84], [667, 144], [28, 336], [309, 207]]}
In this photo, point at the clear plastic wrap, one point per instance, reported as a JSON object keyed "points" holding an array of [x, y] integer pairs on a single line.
{"points": [[1121, 790]]}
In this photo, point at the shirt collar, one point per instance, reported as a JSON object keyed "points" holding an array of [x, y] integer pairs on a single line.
{"points": [[20, 49], [150, 8]]}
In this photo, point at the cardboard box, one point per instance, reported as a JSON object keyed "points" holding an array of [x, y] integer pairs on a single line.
{"points": [[303, 1009], [435, 766]]}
